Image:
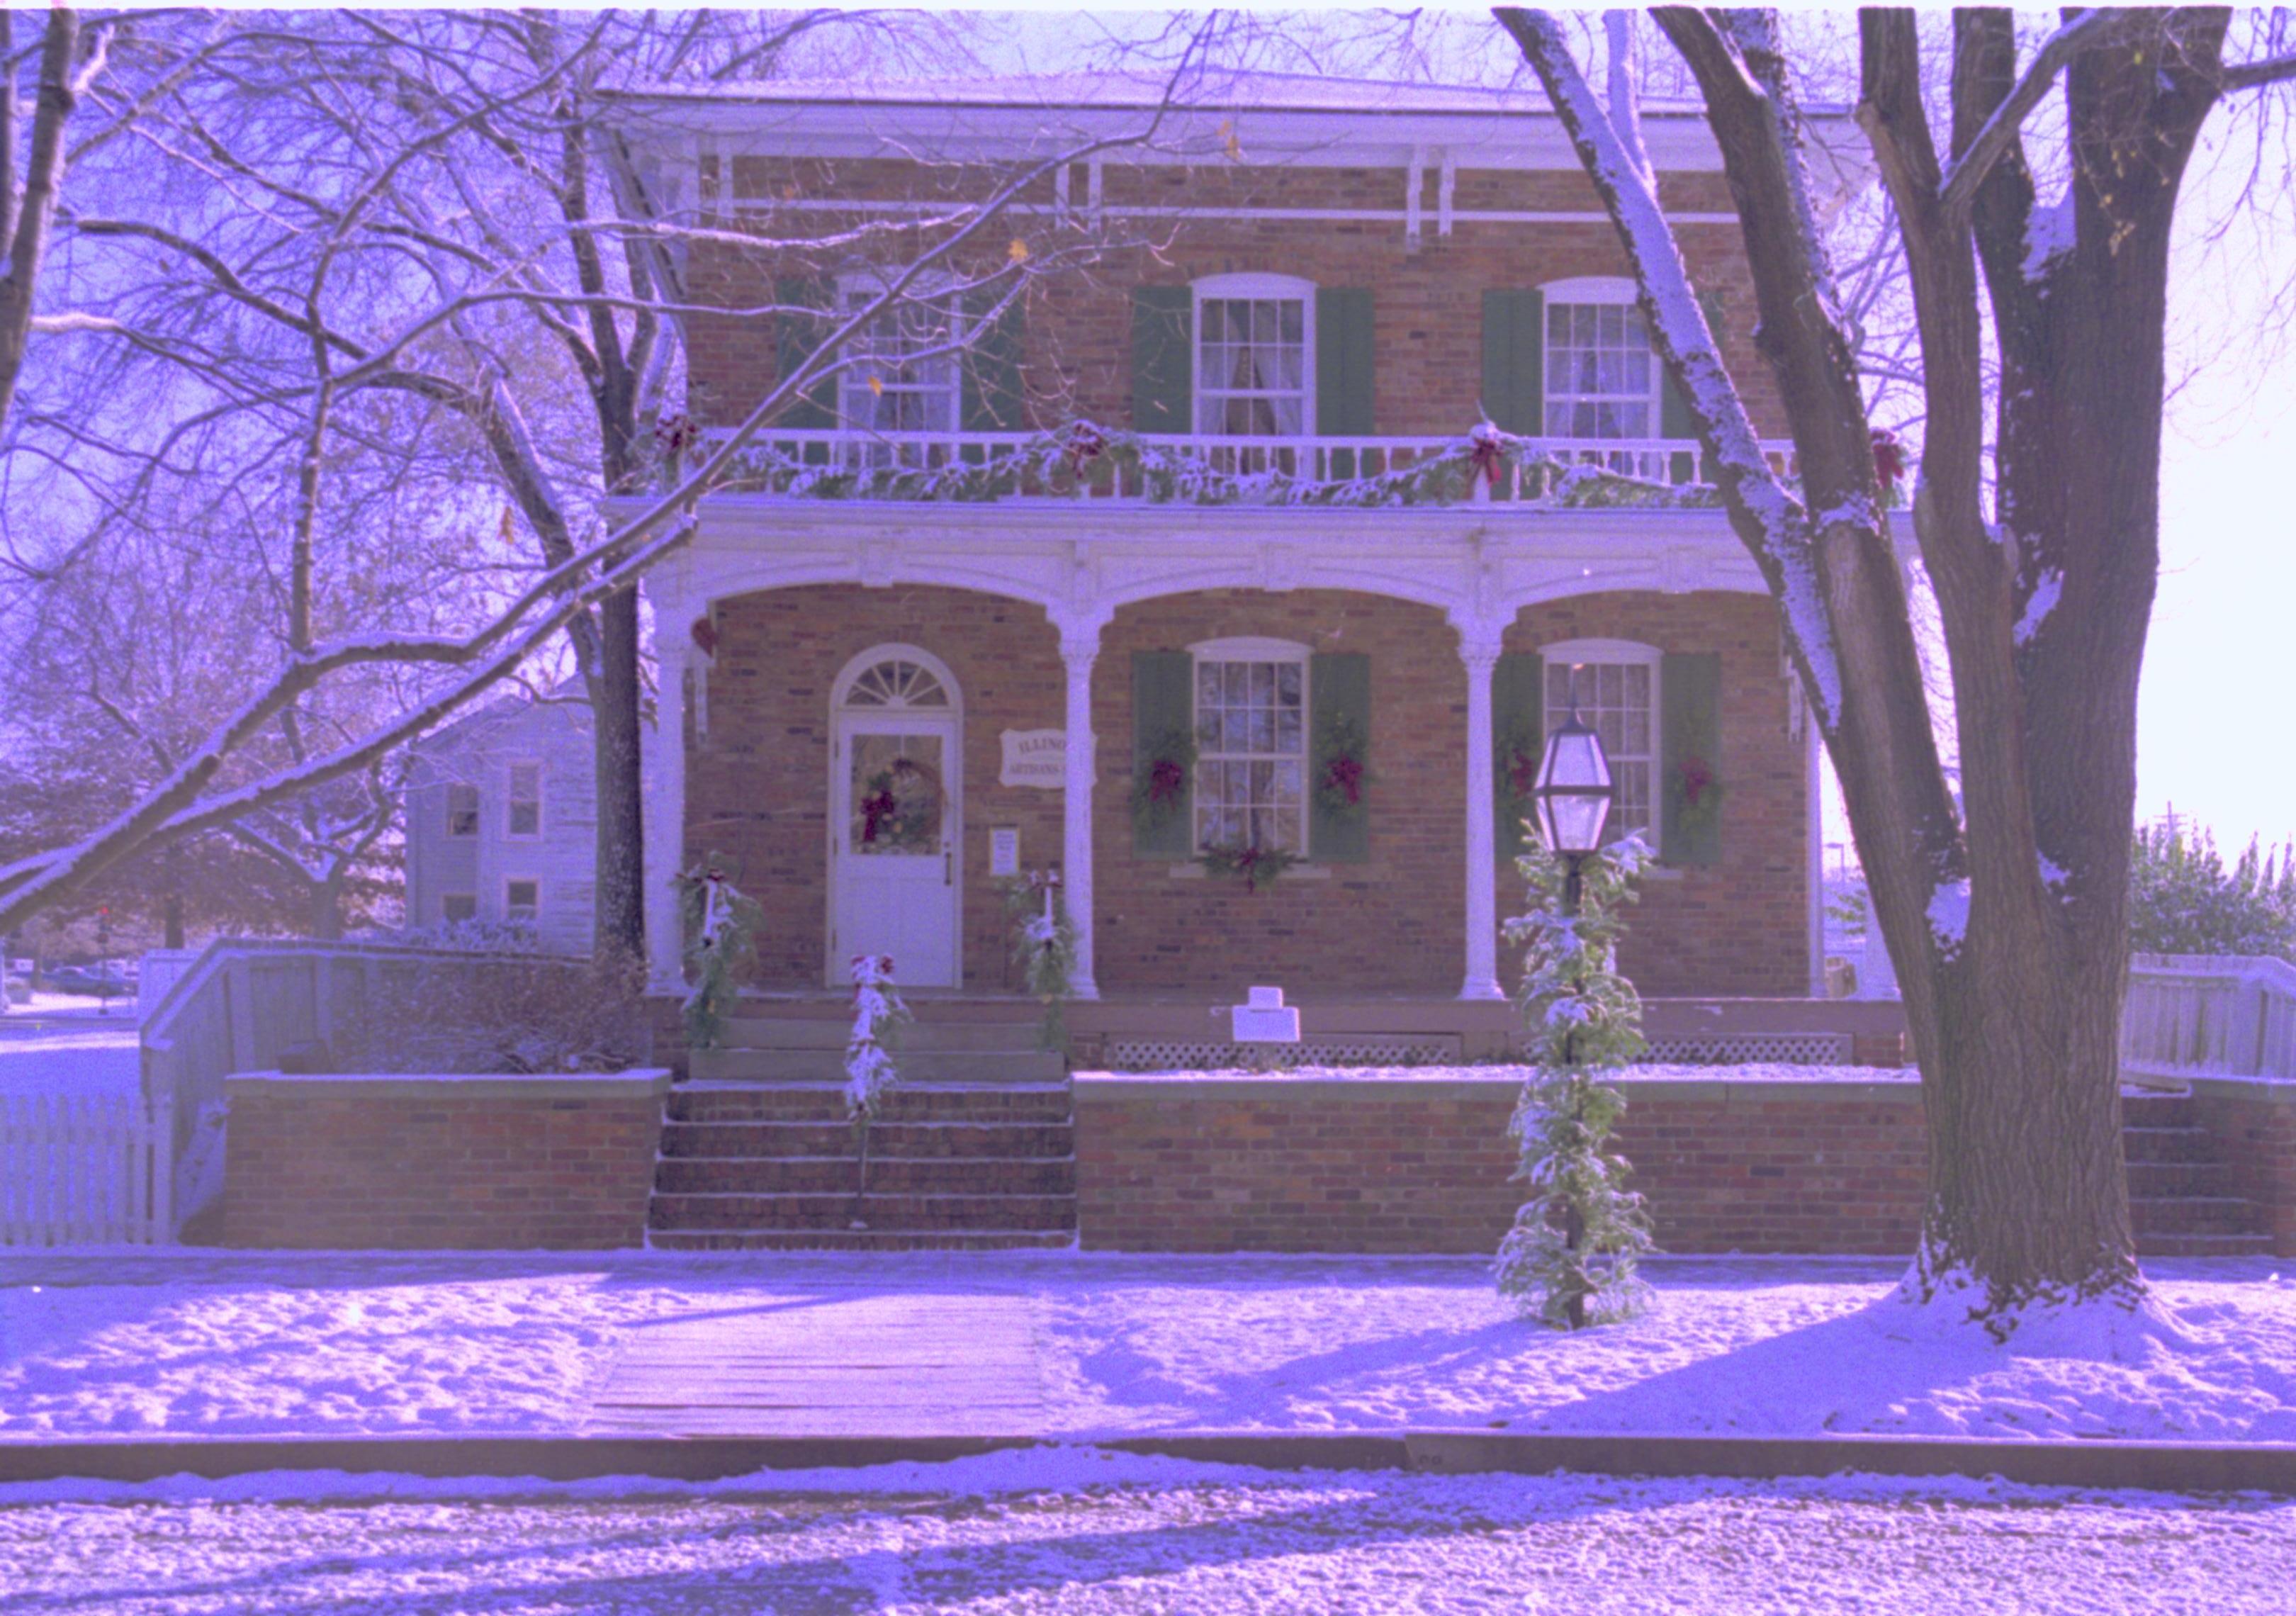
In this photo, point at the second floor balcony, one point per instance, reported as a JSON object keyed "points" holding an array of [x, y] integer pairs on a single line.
{"points": [[1083, 461]]}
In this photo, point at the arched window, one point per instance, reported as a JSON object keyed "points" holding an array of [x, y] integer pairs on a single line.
{"points": [[1602, 375], [898, 681], [1255, 358]]}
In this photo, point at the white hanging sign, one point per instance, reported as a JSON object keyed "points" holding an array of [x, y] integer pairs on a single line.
{"points": [[1035, 757]]}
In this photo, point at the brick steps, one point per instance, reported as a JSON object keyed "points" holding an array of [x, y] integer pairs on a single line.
{"points": [[986, 1066], [2182, 1199], [771, 1165]]}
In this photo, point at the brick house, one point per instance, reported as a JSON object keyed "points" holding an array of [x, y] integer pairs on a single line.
{"points": [[877, 704]]}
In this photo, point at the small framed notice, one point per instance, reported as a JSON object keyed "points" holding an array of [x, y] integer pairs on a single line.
{"points": [[1005, 850]]}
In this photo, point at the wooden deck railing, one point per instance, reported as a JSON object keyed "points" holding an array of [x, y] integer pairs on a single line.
{"points": [[2201, 1015]]}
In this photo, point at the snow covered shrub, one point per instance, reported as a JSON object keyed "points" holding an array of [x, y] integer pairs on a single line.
{"points": [[721, 926], [498, 1015], [1570, 1258], [2183, 900], [469, 936], [877, 1010]]}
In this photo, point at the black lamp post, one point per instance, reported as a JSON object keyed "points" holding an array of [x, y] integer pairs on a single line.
{"points": [[1572, 796]]}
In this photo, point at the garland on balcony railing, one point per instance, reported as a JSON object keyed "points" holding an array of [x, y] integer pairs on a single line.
{"points": [[1083, 455]]}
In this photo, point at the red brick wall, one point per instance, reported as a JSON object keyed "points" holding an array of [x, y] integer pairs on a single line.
{"points": [[399, 1164], [1427, 306], [1393, 923], [1275, 1165], [2253, 1126]]}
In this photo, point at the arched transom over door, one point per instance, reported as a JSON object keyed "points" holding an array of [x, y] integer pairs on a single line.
{"points": [[896, 807]]}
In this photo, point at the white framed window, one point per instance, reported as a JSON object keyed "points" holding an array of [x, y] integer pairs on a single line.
{"points": [[523, 820], [896, 382], [455, 907], [1602, 373], [521, 899], [462, 810], [1614, 685], [1255, 361], [1251, 744]]}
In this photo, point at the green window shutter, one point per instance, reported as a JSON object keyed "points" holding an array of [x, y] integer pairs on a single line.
{"points": [[1343, 348], [1514, 360], [1673, 417], [1163, 717], [994, 398], [814, 410], [1518, 738], [1338, 709], [1163, 357], [1689, 730]]}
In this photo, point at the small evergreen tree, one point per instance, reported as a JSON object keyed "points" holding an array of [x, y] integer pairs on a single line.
{"points": [[721, 925], [2183, 900], [1569, 1261]]}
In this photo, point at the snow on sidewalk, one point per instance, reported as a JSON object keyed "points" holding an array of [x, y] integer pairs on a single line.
{"points": [[289, 1344]]}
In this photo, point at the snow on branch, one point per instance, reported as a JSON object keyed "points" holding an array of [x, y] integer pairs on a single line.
{"points": [[1958, 192]]}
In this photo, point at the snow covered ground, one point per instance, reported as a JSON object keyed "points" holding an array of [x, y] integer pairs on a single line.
{"points": [[71, 1050], [1080, 1534], [136, 1344]]}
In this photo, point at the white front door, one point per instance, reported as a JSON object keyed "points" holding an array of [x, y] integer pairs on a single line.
{"points": [[894, 841]]}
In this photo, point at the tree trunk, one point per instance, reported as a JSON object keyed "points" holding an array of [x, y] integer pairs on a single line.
{"points": [[621, 922], [174, 900], [327, 910]]}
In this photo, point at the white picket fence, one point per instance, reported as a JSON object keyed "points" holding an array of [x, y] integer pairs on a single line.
{"points": [[86, 1170], [2205, 1015]]}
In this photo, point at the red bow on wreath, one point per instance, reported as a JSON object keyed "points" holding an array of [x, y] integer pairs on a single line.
{"points": [[1697, 775], [876, 807], [1488, 457], [1888, 457], [1345, 776], [1522, 773], [1166, 780], [1084, 446]]}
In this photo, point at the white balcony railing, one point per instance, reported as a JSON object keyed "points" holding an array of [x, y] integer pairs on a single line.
{"points": [[1083, 462]]}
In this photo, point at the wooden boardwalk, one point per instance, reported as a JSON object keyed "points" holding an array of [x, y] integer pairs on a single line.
{"points": [[960, 1364]]}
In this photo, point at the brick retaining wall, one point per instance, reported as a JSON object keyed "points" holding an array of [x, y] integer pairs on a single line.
{"points": [[2254, 1122], [397, 1163], [1410, 1164]]}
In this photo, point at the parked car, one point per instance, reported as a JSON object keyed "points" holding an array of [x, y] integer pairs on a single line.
{"points": [[88, 980]]}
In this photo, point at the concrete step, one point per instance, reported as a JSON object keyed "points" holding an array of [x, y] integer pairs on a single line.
{"points": [[2195, 1215], [888, 1140], [736, 1065], [861, 1239], [835, 1174], [780, 1032], [2167, 1144], [707, 1102], [710, 1211], [2162, 1180]]}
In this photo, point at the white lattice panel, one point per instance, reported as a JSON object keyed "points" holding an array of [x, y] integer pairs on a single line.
{"points": [[1753, 1049], [1207, 1055]]}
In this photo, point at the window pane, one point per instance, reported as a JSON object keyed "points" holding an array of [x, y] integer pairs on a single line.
{"points": [[1263, 683], [1287, 730], [1287, 683], [1263, 730]]}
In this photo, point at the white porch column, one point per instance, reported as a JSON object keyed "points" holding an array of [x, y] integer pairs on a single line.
{"points": [[664, 773], [1478, 649], [1079, 649]]}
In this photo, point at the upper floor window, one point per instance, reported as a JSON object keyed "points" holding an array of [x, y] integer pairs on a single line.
{"points": [[899, 382], [1251, 744], [1614, 686], [1601, 376], [525, 800], [1254, 363], [462, 810]]}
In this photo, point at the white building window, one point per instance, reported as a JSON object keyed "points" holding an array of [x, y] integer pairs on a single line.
{"points": [[1614, 684], [522, 900], [1602, 375], [462, 810], [525, 819], [1251, 744], [1255, 365], [455, 907], [898, 383]]}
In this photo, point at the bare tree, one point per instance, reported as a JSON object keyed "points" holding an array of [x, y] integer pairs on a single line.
{"points": [[2004, 912]]}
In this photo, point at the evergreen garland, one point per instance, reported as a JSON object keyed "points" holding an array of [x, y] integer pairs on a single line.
{"points": [[720, 925], [1159, 790], [1342, 773], [1254, 866], [1569, 1260], [1044, 946]]}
